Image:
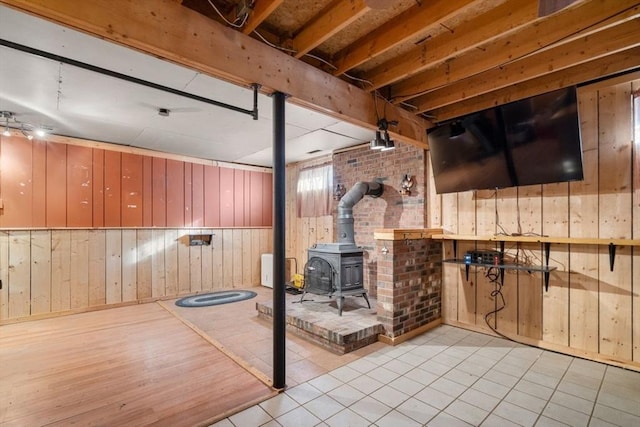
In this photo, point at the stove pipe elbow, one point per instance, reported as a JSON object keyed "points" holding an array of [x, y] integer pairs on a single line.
{"points": [[345, 208]]}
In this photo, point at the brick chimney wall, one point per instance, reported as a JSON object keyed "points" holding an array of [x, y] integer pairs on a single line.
{"points": [[392, 210]]}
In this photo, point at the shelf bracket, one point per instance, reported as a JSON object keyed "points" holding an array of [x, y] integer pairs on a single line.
{"points": [[547, 252], [612, 255], [466, 271], [455, 248]]}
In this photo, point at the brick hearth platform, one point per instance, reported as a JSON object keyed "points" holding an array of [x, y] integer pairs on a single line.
{"points": [[317, 320]]}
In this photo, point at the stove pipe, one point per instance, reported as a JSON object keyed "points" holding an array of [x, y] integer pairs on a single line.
{"points": [[345, 208]]}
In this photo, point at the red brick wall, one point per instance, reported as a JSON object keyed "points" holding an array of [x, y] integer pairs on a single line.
{"points": [[409, 284], [392, 210]]}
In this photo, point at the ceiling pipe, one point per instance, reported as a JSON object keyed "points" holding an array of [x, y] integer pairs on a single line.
{"points": [[22, 48]]}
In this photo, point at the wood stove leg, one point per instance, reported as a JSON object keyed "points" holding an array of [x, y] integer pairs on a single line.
{"points": [[366, 298]]}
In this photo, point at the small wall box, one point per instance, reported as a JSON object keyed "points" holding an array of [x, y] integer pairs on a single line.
{"points": [[200, 239]]}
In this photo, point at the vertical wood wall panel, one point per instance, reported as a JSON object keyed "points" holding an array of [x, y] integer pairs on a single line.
{"points": [[197, 195], [112, 189], [188, 195], [184, 265], [79, 269], [132, 204], [16, 182], [113, 285], [635, 291], [257, 257], [79, 186], [583, 214], [507, 222], [98, 187], [267, 199], [39, 174], [97, 267], [159, 192], [40, 272], [195, 266], [158, 277], [211, 196], [255, 198], [246, 257], [530, 284], [247, 199], [56, 185], [207, 263], [226, 197], [60, 270], [467, 289], [555, 301], [143, 254], [614, 208], [227, 258], [238, 198], [4, 275], [20, 273], [147, 191], [175, 193], [129, 267], [171, 261], [217, 260]]}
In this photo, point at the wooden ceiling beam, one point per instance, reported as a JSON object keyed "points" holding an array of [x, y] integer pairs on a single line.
{"points": [[180, 35], [469, 35], [416, 19], [527, 40], [606, 66], [329, 22], [610, 40], [260, 12]]}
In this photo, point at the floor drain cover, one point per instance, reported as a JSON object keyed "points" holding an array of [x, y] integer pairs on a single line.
{"points": [[215, 298]]}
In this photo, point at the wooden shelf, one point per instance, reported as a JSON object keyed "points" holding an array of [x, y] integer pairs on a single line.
{"points": [[538, 239], [546, 241]]}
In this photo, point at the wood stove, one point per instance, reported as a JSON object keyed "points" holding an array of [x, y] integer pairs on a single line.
{"points": [[336, 269]]}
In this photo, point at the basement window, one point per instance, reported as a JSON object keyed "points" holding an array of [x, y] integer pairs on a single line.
{"points": [[314, 191]]}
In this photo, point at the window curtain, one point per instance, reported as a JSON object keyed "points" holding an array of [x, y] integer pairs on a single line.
{"points": [[314, 191]]}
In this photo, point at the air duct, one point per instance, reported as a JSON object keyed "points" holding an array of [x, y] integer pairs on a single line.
{"points": [[345, 208]]}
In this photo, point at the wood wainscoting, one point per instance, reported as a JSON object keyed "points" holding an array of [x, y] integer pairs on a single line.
{"points": [[48, 272], [590, 309]]}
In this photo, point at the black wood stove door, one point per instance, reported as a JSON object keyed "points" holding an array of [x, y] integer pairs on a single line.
{"points": [[319, 277]]}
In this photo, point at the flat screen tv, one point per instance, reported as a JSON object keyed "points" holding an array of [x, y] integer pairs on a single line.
{"points": [[532, 141]]}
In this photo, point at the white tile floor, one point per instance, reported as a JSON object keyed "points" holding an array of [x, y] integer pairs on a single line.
{"points": [[452, 377]]}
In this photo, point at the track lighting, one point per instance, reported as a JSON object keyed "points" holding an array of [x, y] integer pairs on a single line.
{"points": [[383, 143], [28, 130], [378, 143], [456, 129]]}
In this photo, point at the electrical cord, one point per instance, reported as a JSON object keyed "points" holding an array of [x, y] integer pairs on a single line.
{"points": [[233, 24], [493, 274]]}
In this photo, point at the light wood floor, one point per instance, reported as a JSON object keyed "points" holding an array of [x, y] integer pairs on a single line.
{"points": [[136, 365]]}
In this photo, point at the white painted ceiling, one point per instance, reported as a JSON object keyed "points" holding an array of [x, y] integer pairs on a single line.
{"points": [[85, 104]]}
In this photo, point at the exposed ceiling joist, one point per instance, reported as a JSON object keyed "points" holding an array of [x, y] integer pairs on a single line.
{"points": [[183, 36], [617, 63], [331, 21], [469, 35], [260, 12], [415, 20], [527, 40], [597, 45]]}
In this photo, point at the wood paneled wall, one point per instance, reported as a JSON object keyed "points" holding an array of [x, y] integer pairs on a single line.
{"points": [[56, 271], [588, 308], [302, 233], [50, 184]]}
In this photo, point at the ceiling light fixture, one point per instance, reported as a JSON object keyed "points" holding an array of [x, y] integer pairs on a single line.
{"points": [[383, 143], [27, 129], [377, 143]]}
